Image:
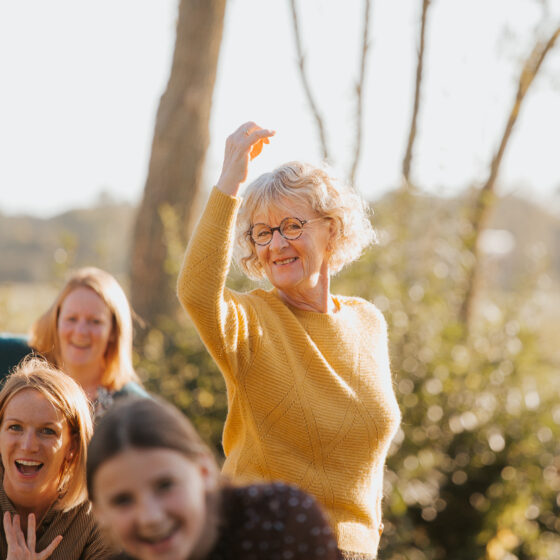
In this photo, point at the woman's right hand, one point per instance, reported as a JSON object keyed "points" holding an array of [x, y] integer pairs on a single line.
{"points": [[18, 547], [246, 140]]}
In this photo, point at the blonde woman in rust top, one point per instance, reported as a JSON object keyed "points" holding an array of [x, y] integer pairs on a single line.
{"points": [[309, 386], [45, 426]]}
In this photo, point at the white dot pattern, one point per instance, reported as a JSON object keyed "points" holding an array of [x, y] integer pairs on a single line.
{"points": [[273, 522]]}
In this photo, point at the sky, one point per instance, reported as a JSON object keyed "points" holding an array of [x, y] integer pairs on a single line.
{"points": [[81, 83]]}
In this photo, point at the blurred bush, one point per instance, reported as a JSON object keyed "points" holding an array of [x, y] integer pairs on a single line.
{"points": [[474, 470]]}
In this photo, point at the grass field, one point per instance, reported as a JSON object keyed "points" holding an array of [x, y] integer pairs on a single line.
{"points": [[21, 304]]}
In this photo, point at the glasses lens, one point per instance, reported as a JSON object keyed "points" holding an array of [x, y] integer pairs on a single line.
{"points": [[291, 228], [261, 234]]}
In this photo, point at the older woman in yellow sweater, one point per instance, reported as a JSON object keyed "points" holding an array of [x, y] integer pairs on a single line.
{"points": [[309, 386]]}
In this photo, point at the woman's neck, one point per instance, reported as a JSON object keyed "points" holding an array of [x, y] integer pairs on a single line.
{"points": [[88, 377], [38, 509], [317, 298]]}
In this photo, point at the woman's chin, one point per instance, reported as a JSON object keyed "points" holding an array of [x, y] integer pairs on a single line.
{"points": [[76, 359]]}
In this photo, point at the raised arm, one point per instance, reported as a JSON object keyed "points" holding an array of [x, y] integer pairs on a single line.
{"points": [[220, 321]]}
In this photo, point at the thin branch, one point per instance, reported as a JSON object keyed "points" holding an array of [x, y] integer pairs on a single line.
{"points": [[419, 68], [306, 87], [359, 93], [487, 196]]}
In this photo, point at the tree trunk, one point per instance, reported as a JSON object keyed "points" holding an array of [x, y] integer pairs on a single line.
{"points": [[486, 197], [181, 138]]}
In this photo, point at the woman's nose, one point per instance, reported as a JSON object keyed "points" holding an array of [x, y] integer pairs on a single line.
{"points": [[82, 327], [29, 440], [150, 512], [278, 241]]}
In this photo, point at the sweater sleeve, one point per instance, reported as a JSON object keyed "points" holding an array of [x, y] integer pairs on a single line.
{"points": [[222, 321]]}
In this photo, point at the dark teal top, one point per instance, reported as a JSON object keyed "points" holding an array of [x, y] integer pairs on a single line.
{"points": [[13, 348]]}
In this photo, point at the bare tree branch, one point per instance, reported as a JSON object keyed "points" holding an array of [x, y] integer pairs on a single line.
{"points": [[359, 93], [306, 87], [486, 198], [419, 68]]}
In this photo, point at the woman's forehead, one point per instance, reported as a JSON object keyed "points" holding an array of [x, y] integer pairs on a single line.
{"points": [[32, 404], [280, 209]]}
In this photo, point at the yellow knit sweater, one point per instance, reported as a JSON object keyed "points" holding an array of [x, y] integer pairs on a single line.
{"points": [[310, 395]]}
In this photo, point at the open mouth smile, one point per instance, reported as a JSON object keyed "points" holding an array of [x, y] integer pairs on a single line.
{"points": [[28, 468]]}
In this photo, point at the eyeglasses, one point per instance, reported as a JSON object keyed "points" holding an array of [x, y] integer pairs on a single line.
{"points": [[289, 228]]}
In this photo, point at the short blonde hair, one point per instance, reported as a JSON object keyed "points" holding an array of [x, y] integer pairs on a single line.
{"points": [[311, 186], [44, 332], [67, 397]]}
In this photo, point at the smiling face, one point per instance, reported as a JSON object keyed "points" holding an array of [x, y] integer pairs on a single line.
{"points": [[35, 445], [84, 329], [153, 501], [295, 266]]}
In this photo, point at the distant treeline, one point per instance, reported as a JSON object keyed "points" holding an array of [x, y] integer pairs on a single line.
{"points": [[36, 250]]}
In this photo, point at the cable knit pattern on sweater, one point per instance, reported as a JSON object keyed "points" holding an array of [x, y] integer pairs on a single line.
{"points": [[310, 395]]}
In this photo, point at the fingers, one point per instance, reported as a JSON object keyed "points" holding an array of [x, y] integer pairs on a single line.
{"points": [[8, 529], [50, 549], [14, 537], [31, 531], [241, 146], [246, 137], [19, 533], [18, 548], [253, 132]]}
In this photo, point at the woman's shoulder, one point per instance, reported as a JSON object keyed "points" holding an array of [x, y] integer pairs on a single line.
{"points": [[13, 348], [131, 389], [80, 529], [360, 305]]}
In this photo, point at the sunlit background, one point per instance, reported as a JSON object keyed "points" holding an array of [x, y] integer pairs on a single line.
{"points": [[474, 472], [81, 83]]}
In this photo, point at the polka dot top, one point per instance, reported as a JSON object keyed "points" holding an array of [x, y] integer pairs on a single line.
{"points": [[272, 522]]}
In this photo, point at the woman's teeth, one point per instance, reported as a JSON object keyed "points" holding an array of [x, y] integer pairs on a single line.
{"points": [[28, 467], [286, 261]]}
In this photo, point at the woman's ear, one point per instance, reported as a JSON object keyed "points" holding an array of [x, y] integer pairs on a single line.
{"points": [[71, 451], [209, 472], [333, 234]]}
